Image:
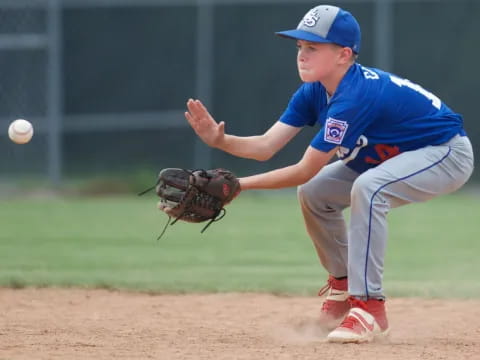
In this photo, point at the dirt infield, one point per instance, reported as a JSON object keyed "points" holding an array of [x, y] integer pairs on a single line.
{"points": [[100, 324]]}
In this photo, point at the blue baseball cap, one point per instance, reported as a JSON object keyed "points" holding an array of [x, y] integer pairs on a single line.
{"points": [[327, 24]]}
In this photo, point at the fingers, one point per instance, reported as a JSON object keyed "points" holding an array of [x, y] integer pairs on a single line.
{"points": [[189, 118], [196, 108], [200, 106], [193, 115], [198, 115], [163, 206], [203, 123], [166, 209]]}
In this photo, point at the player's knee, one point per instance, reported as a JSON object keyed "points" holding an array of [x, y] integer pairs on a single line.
{"points": [[302, 192], [369, 190], [312, 190], [364, 187]]}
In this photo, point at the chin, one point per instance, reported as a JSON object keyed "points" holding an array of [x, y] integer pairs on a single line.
{"points": [[307, 77]]}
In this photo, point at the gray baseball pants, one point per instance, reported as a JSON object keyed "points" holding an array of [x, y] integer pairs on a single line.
{"points": [[358, 251]]}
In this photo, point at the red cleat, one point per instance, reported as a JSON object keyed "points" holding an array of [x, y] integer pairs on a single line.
{"points": [[365, 322], [336, 304]]}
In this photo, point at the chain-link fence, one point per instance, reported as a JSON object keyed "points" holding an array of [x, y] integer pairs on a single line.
{"points": [[105, 82]]}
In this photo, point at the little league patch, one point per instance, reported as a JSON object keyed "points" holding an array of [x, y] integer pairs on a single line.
{"points": [[335, 130]]}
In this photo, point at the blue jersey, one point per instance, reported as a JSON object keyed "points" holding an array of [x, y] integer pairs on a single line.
{"points": [[372, 116]]}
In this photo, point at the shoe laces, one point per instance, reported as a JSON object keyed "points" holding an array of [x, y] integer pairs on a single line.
{"points": [[325, 288], [357, 303], [349, 322], [327, 304], [331, 285]]}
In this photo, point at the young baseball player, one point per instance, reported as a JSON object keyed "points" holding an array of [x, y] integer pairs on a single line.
{"points": [[397, 143]]}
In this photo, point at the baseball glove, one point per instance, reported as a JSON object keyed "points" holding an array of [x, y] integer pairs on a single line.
{"points": [[195, 195]]}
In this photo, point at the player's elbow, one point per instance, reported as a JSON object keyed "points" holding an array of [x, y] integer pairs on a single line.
{"points": [[266, 151], [264, 155]]}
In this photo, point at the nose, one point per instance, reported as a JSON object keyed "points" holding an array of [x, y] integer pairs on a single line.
{"points": [[300, 55]]}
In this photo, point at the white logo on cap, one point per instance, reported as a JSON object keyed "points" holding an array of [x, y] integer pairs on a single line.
{"points": [[311, 18]]}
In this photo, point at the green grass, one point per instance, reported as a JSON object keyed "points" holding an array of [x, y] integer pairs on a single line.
{"points": [[260, 245]]}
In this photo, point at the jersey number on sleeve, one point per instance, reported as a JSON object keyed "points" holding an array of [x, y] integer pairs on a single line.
{"points": [[436, 102], [369, 74]]}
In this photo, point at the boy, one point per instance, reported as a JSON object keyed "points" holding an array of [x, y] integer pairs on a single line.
{"points": [[397, 143]]}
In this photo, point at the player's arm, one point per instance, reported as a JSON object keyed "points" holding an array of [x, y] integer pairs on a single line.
{"points": [[260, 147], [311, 163]]}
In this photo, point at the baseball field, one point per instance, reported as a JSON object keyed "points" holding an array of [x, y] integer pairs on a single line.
{"points": [[85, 277]]}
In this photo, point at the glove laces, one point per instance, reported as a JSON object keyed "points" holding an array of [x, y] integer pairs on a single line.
{"points": [[198, 199], [218, 216]]}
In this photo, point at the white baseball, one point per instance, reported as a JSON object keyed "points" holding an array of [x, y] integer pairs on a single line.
{"points": [[20, 131]]}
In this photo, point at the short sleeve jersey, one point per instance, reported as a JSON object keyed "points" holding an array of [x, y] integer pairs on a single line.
{"points": [[372, 116]]}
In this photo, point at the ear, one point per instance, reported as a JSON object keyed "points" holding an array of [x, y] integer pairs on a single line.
{"points": [[346, 55]]}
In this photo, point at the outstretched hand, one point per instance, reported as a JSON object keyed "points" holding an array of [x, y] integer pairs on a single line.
{"points": [[204, 125]]}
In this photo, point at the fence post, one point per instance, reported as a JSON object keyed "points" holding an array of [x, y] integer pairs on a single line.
{"points": [[204, 74], [383, 30], [54, 96]]}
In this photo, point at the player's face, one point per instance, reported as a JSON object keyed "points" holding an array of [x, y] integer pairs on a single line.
{"points": [[316, 61]]}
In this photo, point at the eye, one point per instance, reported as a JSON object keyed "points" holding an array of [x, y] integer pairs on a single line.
{"points": [[306, 47]]}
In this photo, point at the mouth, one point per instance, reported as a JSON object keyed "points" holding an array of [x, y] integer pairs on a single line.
{"points": [[303, 70]]}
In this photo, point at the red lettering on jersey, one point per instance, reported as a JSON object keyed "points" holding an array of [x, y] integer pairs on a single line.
{"points": [[384, 152]]}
